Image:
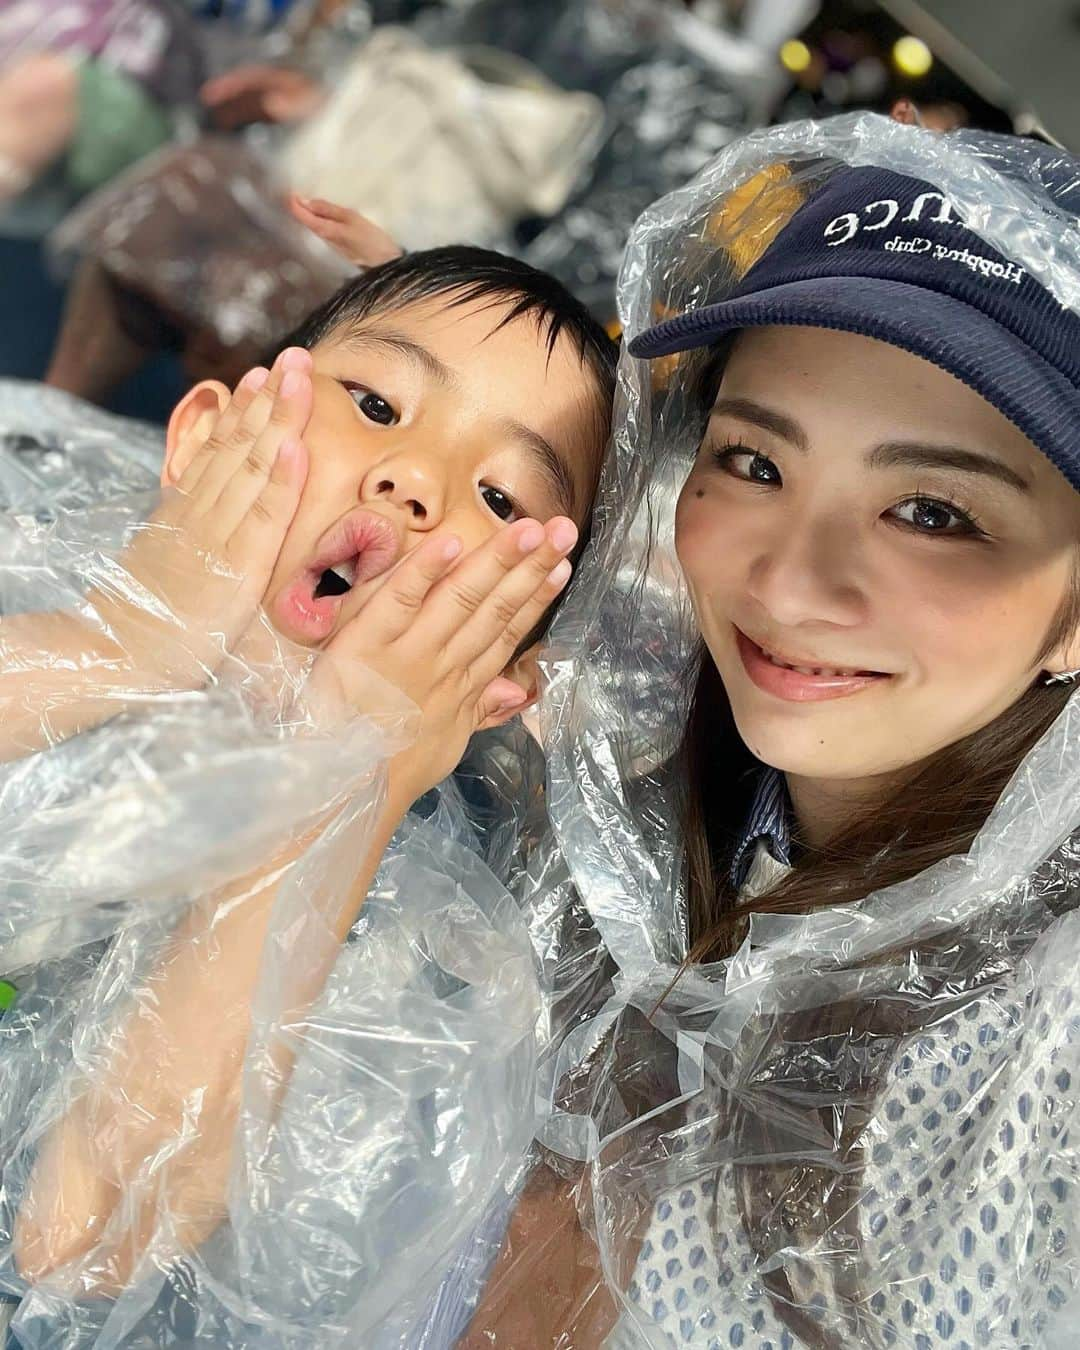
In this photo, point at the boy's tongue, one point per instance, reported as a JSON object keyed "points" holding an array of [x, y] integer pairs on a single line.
{"points": [[360, 547]]}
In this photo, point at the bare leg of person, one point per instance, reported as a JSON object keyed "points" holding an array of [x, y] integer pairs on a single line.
{"points": [[94, 350], [39, 103]]}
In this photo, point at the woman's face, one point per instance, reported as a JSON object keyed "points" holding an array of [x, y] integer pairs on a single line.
{"points": [[857, 512]]}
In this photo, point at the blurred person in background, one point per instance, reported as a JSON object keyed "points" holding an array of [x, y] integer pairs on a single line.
{"points": [[90, 85]]}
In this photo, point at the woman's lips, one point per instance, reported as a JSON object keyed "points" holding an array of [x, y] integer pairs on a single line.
{"points": [[364, 536], [794, 685]]}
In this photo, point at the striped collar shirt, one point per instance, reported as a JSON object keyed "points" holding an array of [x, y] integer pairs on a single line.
{"points": [[769, 820]]}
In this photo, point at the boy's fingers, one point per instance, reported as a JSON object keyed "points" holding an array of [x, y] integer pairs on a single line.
{"points": [[242, 492], [475, 577], [217, 455], [394, 606], [270, 514], [485, 592], [500, 696], [496, 651], [245, 450], [228, 420]]}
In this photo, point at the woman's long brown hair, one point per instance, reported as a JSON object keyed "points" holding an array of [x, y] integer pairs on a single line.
{"points": [[934, 814]]}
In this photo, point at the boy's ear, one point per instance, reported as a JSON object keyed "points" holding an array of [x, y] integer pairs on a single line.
{"points": [[192, 421], [522, 672]]}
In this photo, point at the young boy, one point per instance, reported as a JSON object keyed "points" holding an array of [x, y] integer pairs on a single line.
{"points": [[375, 498]]}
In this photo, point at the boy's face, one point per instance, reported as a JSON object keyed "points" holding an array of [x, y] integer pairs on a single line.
{"points": [[427, 418]]}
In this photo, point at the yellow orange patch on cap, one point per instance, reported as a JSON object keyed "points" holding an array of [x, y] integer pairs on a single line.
{"points": [[750, 217]]}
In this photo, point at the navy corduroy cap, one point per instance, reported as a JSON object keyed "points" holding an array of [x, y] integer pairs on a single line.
{"points": [[887, 256]]}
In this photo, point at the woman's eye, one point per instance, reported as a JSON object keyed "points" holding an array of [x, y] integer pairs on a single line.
{"points": [[749, 465], [930, 516], [499, 502], [374, 408]]}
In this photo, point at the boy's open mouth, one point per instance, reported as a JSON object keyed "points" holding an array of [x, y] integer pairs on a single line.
{"points": [[337, 580], [361, 546]]}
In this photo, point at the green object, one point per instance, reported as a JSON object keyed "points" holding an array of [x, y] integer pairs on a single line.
{"points": [[7, 995], [118, 123]]}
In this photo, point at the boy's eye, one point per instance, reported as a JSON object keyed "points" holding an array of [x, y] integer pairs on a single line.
{"points": [[499, 503], [374, 408]]}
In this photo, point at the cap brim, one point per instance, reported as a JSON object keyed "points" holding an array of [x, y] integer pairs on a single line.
{"points": [[1043, 403]]}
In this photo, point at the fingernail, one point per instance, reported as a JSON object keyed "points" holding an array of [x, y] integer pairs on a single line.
{"points": [[255, 379], [563, 535], [290, 385], [450, 549], [532, 536], [296, 358], [560, 575]]}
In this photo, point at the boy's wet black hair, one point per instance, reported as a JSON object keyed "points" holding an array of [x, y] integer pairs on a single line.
{"points": [[460, 274], [464, 275]]}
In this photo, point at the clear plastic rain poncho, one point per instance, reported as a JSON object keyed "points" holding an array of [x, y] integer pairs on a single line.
{"points": [[409, 1106], [862, 1128]]}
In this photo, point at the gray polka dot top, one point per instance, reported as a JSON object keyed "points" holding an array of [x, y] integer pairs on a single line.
{"points": [[968, 1214]]}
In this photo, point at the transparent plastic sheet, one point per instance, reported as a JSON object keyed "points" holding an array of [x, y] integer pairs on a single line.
{"points": [[200, 233], [757, 1169], [455, 147], [369, 1138], [674, 90]]}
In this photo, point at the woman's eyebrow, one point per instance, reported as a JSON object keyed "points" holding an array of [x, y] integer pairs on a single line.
{"points": [[551, 464], [915, 455], [890, 454], [746, 410]]}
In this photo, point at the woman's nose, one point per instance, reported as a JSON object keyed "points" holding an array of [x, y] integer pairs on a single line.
{"points": [[809, 571], [410, 484]]}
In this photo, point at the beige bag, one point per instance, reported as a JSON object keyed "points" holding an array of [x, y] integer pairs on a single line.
{"points": [[440, 147]]}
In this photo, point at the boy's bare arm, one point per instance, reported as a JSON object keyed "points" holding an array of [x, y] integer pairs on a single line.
{"points": [[177, 1062], [162, 617], [171, 1090]]}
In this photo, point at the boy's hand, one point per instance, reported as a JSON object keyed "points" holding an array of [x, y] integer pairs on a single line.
{"points": [[359, 240], [192, 579], [444, 637], [153, 1135]]}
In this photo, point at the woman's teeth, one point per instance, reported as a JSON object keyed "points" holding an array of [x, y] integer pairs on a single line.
{"points": [[808, 670]]}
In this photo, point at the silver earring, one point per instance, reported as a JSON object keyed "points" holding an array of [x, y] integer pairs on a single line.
{"points": [[1062, 677]]}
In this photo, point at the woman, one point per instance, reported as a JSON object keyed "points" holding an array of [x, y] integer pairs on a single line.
{"points": [[829, 1097]]}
